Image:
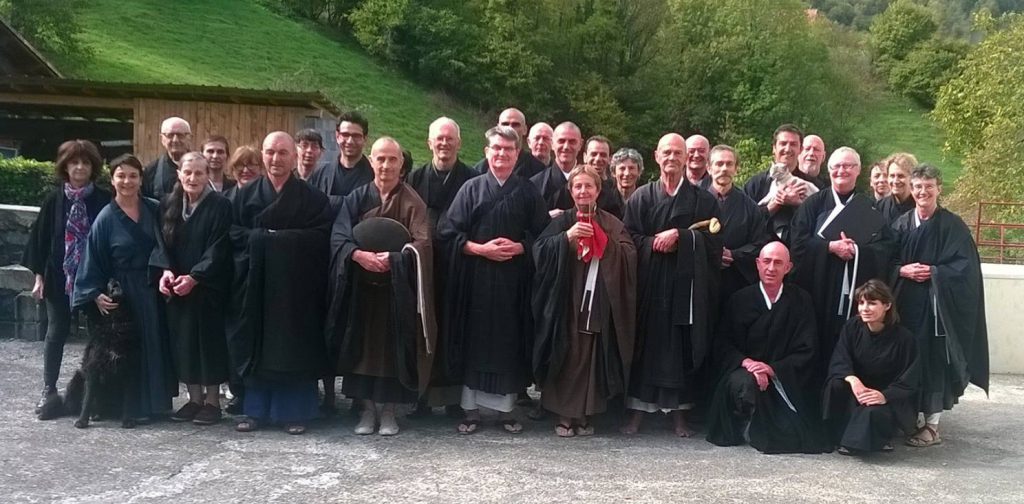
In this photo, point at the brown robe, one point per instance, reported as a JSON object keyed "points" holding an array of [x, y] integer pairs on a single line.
{"points": [[581, 369]]}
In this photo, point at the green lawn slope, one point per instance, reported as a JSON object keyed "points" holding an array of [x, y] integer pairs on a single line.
{"points": [[242, 44]]}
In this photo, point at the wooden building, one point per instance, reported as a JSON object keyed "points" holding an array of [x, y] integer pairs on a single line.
{"points": [[39, 109]]}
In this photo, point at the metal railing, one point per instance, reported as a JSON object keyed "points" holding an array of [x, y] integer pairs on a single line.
{"points": [[999, 232]]}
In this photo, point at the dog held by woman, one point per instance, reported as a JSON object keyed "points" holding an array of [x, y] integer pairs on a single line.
{"points": [[106, 384]]}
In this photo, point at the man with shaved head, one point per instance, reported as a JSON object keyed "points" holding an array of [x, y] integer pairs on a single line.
{"points": [[765, 354], [159, 176], [697, 148], [568, 141], [526, 164], [540, 138], [679, 254], [809, 162], [280, 238], [378, 343]]}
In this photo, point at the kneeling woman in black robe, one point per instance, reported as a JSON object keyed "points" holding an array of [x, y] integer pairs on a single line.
{"points": [[195, 256], [873, 376]]}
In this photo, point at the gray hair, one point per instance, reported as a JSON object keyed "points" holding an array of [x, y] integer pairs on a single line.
{"points": [[171, 121], [441, 121], [841, 151], [926, 172], [626, 154], [724, 148], [193, 157], [502, 132]]}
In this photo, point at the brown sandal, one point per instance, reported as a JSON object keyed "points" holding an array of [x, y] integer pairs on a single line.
{"points": [[918, 440]]}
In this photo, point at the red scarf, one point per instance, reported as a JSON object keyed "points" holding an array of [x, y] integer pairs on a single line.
{"points": [[590, 247]]}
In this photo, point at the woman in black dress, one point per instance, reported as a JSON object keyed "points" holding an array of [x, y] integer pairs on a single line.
{"points": [[195, 256], [56, 244], [873, 376]]}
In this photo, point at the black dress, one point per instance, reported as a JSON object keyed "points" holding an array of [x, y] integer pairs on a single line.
{"points": [[887, 362], [202, 249]]}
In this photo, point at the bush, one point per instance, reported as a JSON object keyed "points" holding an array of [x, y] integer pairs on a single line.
{"points": [[895, 32], [928, 67], [25, 181]]}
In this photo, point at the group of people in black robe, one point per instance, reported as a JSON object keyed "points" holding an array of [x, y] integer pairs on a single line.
{"points": [[461, 286]]}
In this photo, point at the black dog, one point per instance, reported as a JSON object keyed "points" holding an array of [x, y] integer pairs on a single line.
{"points": [[107, 383]]}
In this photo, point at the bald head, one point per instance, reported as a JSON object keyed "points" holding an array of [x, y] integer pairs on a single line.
{"points": [[175, 133], [279, 154], [386, 159], [515, 119], [812, 155], [670, 154], [697, 147], [568, 140], [540, 140], [773, 264]]}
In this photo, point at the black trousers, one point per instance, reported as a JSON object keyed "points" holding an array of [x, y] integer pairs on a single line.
{"points": [[58, 326]]}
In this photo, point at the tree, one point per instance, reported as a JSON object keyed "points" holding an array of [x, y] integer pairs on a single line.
{"points": [[895, 32], [926, 68], [51, 25]]}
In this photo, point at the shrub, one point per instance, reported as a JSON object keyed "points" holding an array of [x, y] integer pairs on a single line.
{"points": [[927, 67], [25, 181]]}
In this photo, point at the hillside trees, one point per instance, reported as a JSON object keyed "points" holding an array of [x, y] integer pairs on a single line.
{"points": [[982, 113], [50, 25]]}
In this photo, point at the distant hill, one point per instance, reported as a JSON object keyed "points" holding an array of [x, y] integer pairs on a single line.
{"points": [[239, 43]]}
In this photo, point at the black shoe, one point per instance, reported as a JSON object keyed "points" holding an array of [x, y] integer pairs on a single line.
{"points": [[209, 414], [47, 393], [186, 413], [234, 406]]}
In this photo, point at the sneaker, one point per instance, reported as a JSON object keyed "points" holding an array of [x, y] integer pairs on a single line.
{"points": [[367, 421], [209, 414], [186, 413]]}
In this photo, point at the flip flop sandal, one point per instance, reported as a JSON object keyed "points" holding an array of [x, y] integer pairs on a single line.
{"points": [[248, 425], [295, 430], [917, 441], [512, 426], [467, 427], [566, 432]]}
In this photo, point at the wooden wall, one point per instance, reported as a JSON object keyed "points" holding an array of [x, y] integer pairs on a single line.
{"points": [[241, 124]]}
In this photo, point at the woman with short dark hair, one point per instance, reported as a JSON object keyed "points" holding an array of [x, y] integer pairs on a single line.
{"points": [[873, 376], [56, 243], [119, 247], [195, 256]]}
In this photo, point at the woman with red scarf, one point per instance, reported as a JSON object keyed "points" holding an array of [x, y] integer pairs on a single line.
{"points": [[584, 306], [56, 244]]}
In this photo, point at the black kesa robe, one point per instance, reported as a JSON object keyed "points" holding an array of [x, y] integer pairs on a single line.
{"points": [[893, 209], [159, 177], [487, 342], [201, 249], [673, 326], [744, 232], [280, 244], [374, 326], [437, 189], [580, 371], [887, 362], [784, 338], [44, 252], [553, 188], [954, 348], [610, 200], [526, 165], [337, 182], [821, 272]]}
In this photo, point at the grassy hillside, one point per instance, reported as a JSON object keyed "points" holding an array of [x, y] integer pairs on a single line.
{"points": [[894, 124], [238, 43]]}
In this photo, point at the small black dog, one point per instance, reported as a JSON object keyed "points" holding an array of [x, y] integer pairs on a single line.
{"points": [[107, 383]]}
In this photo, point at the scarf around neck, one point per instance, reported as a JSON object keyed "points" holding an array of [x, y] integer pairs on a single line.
{"points": [[75, 232]]}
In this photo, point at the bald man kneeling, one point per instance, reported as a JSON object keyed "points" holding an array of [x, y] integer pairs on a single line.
{"points": [[765, 353]]}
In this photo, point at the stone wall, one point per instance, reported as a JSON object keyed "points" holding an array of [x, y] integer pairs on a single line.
{"points": [[15, 223]]}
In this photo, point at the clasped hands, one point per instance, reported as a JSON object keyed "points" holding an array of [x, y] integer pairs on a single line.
{"points": [[916, 272], [179, 285], [843, 248], [865, 396], [499, 249], [374, 262], [666, 241], [761, 371]]}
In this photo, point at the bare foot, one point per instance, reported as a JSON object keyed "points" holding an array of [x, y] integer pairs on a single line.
{"points": [[632, 426], [681, 428]]}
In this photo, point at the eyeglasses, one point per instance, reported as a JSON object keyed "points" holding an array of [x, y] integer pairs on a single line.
{"points": [[249, 168], [847, 166], [174, 135]]}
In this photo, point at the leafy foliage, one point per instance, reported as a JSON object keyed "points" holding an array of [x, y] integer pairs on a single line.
{"points": [[25, 181], [896, 32], [50, 25], [927, 67]]}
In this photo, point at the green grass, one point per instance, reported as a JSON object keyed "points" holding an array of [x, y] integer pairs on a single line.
{"points": [[894, 124], [241, 44]]}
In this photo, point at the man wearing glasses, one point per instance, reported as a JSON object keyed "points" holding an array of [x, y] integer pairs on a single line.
{"points": [[340, 176], [159, 177]]}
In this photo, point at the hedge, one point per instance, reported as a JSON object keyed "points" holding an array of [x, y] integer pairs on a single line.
{"points": [[27, 181]]}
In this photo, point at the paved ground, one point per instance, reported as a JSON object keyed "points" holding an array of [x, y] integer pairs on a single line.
{"points": [[980, 461]]}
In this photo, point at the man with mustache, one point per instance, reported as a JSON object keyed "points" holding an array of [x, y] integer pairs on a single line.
{"points": [[812, 156]]}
